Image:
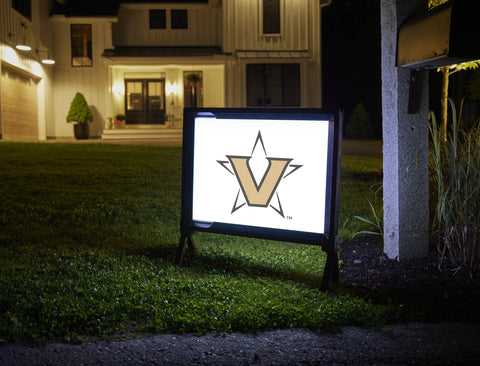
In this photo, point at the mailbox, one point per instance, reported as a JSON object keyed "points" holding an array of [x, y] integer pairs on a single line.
{"points": [[446, 35]]}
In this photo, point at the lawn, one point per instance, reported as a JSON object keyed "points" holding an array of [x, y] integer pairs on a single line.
{"points": [[88, 234]]}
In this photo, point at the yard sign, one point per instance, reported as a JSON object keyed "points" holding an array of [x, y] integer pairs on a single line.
{"points": [[263, 173]]}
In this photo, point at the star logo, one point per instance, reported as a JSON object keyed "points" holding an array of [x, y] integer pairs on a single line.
{"points": [[258, 177]]}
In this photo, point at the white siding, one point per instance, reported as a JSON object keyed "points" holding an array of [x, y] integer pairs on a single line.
{"points": [[214, 87], [243, 26], [37, 34], [93, 84], [133, 28], [11, 29], [234, 25], [300, 31], [92, 81]]}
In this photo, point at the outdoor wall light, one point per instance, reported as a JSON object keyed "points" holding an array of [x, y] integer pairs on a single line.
{"points": [[172, 89], [19, 45], [118, 89], [47, 60], [23, 47]]}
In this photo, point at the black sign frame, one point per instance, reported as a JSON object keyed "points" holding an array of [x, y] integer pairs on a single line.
{"points": [[328, 240]]}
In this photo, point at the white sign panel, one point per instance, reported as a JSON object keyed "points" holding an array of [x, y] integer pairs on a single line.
{"points": [[260, 172]]}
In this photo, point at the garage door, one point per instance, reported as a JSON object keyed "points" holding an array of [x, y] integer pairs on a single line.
{"points": [[19, 105]]}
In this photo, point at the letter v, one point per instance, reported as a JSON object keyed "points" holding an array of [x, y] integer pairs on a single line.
{"points": [[258, 195]]}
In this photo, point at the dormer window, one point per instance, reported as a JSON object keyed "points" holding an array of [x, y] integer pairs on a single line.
{"points": [[168, 19], [179, 19], [271, 17], [158, 19], [81, 43]]}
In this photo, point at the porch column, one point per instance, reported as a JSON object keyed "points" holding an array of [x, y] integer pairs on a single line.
{"points": [[405, 138]]}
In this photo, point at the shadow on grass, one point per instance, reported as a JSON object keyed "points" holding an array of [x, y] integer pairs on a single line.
{"points": [[225, 263], [215, 263]]}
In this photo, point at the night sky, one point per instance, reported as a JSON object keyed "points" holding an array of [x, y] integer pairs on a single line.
{"points": [[351, 58]]}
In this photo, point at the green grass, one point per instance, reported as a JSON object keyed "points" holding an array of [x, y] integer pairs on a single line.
{"points": [[360, 186], [88, 234]]}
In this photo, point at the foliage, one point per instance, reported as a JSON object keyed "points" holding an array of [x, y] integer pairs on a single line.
{"points": [[79, 264], [361, 183], [359, 125], [193, 78], [79, 110], [455, 166], [120, 117], [434, 3], [446, 72], [375, 223]]}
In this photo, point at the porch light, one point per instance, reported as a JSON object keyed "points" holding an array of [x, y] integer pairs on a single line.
{"points": [[118, 89], [172, 89]]}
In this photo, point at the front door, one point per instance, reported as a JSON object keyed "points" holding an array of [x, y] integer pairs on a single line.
{"points": [[145, 101]]}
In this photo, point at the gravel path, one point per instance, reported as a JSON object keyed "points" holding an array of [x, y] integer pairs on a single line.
{"points": [[405, 344], [447, 331]]}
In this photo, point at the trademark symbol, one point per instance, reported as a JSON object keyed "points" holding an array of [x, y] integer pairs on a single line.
{"points": [[288, 217]]}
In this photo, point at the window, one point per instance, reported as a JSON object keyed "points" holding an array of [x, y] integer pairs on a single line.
{"points": [[134, 95], [158, 19], [24, 7], [81, 45], [271, 17], [192, 89], [273, 85], [179, 19]]}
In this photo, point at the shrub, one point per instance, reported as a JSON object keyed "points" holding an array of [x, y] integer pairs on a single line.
{"points": [[359, 125], [79, 110], [455, 167]]}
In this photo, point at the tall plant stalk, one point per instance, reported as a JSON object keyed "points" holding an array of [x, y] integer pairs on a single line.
{"points": [[446, 72], [455, 166]]}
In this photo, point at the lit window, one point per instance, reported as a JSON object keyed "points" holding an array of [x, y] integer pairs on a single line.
{"points": [[81, 45]]}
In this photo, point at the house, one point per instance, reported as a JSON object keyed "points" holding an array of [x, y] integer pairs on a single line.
{"points": [[147, 60]]}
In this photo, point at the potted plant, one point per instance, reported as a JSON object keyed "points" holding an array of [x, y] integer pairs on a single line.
{"points": [[81, 115], [120, 121]]}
